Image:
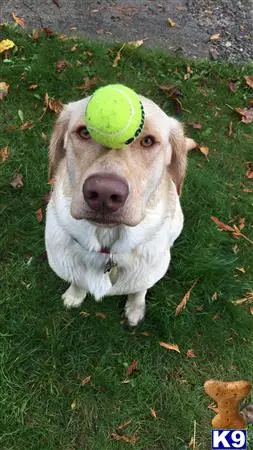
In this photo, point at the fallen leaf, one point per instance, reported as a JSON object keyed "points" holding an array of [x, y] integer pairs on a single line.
{"points": [[203, 149], [170, 346], [43, 136], [216, 317], [248, 299], [17, 181], [100, 315], [73, 404], [4, 154], [215, 37], [26, 125], [118, 56], [174, 93], [153, 413], [249, 80], [185, 299], [124, 424], [73, 49], [51, 181], [246, 113], [48, 32], [251, 310], [135, 44], [249, 170], [55, 105], [214, 296], [86, 380], [60, 65], [88, 83], [19, 20], [6, 44], [128, 439], [32, 87], [84, 314], [241, 223], [197, 126], [171, 23], [35, 35], [241, 269], [221, 225], [4, 87], [132, 367], [232, 86], [247, 190], [39, 215], [190, 353], [145, 333]]}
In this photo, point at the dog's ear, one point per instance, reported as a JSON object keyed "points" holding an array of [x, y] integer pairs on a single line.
{"points": [[56, 147], [180, 145]]}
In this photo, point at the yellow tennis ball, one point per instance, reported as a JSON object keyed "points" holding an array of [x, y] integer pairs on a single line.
{"points": [[114, 116]]}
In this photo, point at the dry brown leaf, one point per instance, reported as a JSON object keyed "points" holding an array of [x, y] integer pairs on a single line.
{"points": [[35, 35], [73, 49], [17, 182], [132, 367], [32, 87], [249, 80], [47, 32], [246, 113], [185, 299], [153, 413], [118, 56], [135, 44], [26, 125], [190, 353], [215, 37], [4, 87], [171, 23], [214, 296], [86, 380], [251, 310], [19, 20], [241, 269], [128, 439], [43, 136], [197, 126], [84, 314], [88, 83], [55, 105], [124, 424], [221, 225], [247, 190], [170, 346], [39, 215], [145, 333], [4, 154], [249, 170], [241, 223], [60, 65], [203, 149], [247, 300], [232, 86], [100, 315]]}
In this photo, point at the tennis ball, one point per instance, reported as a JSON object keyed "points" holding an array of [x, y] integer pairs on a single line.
{"points": [[114, 116]]}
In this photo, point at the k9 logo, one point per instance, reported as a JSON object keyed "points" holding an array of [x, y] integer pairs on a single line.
{"points": [[229, 439]]}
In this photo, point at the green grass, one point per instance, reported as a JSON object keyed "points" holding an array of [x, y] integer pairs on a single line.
{"points": [[45, 350]]}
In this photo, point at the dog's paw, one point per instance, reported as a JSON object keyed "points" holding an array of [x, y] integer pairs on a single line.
{"points": [[134, 314], [73, 297]]}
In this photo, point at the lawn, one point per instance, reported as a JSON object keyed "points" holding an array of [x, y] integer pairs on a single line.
{"points": [[64, 382]]}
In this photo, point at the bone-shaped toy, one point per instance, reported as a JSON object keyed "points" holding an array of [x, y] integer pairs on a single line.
{"points": [[227, 395]]}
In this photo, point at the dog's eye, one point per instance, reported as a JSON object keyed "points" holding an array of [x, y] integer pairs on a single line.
{"points": [[83, 132], [148, 141]]}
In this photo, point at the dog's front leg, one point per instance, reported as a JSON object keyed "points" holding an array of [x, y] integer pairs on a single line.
{"points": [[74, 296], [135, 308]]}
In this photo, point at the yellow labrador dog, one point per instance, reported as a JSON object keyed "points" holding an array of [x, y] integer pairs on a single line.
{"points": [[114, 214]]}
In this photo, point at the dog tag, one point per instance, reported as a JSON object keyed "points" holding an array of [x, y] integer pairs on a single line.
{"points": [[112, 269]]}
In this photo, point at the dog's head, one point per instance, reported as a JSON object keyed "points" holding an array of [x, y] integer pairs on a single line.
{"points": [[111, 187]]}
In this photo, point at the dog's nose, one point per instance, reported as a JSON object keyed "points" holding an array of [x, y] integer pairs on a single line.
{"points": [[105, 192]]}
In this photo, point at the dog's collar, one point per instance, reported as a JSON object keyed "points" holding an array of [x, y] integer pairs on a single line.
{"points": [[110, 266]]}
